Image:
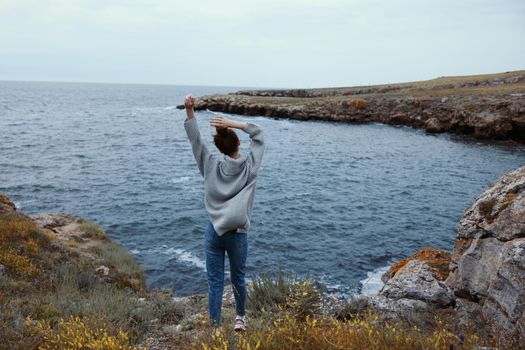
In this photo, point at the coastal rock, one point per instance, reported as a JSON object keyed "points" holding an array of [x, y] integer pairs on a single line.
{"points": [[507, 286], [102, 270], [469, 313], [393, 309], [414, 285], [488, 264], [479, 262], [52, 221], [437, 260], [489, 125], [483, 279], [487, 112], [6, 205], [416, 281], [433, 125]]}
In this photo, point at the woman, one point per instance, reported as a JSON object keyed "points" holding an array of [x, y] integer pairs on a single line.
{"points": [[229, 185]]}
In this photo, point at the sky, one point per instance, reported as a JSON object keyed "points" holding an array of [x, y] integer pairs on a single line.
{"points": [[258, 43]]}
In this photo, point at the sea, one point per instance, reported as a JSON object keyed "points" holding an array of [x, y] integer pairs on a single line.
{"points": [[335, 202]]}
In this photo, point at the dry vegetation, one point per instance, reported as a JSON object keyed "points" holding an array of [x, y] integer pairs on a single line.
{"points": [[474, 85], [52, 298]]}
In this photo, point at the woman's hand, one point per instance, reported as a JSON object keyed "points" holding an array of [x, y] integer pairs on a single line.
{"points": [[221, 122], [189, 102]]}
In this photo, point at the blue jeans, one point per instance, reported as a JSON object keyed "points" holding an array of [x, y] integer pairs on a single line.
{"points": [[236, 245]]}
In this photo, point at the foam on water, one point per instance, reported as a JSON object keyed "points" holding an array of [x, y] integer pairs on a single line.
{"points": [[188, 257], [373, 283], [177, 180], [184, 256]]}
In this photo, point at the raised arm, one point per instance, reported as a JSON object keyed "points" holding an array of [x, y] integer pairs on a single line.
{"points": [[200, 150], [256, 136]]}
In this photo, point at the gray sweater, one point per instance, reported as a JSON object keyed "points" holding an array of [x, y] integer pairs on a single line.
{"points": [[229, 184]]}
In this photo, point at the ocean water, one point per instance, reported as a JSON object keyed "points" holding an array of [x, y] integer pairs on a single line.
{"points": [[336, 202]]}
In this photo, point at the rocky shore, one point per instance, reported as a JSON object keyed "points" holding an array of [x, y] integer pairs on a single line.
{"points": [[482, 283], [485, 106], [63, 280]]}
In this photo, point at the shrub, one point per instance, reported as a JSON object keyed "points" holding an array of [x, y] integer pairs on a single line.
{"points": [[20, 245], [266, 294], [352, 308], [15, 227], [91, 230], [303, 299], [117, 258], [358, 104], [325, 333], [76, 333], [300, 298], [77, 291], [17, 264]]}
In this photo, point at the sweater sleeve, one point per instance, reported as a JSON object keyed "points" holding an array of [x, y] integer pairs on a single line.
{"points": [[256, 145], [200, 150]]}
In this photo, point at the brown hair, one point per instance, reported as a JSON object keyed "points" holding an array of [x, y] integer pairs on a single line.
{"points": [[226, 140]]}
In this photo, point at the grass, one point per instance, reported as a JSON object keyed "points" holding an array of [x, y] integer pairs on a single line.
{"points": [[284, 292], [51, 297], [267, 294], [327, 333], [432, 85], [353, 308], [119, 260], [91, 230]]}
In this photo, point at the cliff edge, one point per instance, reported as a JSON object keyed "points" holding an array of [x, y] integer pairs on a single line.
{"points": [[488, 106], [482, 283]]}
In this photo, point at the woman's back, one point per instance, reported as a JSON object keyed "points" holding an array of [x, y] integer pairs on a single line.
{"points": [[229, 183]]}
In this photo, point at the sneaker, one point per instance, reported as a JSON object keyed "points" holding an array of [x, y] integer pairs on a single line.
{"points": [[240, 324]]}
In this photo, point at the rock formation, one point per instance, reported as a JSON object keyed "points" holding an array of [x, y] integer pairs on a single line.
{"points": [[488, 264], [415, 284], [489, 107], [485, 281]]}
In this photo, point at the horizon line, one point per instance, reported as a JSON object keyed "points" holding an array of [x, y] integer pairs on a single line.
{"points": [[249, 87]]}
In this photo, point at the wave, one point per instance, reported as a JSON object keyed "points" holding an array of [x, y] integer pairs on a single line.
{"points": [[372, 284], [180, 255], [177, 180], [188, 257]]}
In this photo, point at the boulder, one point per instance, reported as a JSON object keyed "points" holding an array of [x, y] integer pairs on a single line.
{"points": [[433, 125], [392, 309], [414, 286], [488, 264], [416, 281], [102, 270], [480, 261], [437, 260]]}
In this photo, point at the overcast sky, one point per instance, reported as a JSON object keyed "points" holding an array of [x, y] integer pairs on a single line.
{"points": [[270, 43]]}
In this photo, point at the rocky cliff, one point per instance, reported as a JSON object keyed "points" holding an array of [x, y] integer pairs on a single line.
{"points": [[485, 106], [483, 282]]}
